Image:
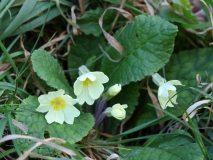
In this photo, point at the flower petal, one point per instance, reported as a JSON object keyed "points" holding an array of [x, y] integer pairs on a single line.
{"points": [[162, 92], [69, 113], [95, 89], [85, 97], [69, 100], [43, 108], [56, 93], [44, 99], [124, 106], [101, 77], [164, 102], [164, 88], [175, 82], [78, 85], [169, 87], [55, 116], [157, 79], [83, 77], [118, 111], [173, 96]]}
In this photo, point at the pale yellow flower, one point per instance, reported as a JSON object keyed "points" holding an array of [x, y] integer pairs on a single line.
{"points": [[59, 107], [88, 86], [167, 94], [117, 111]]}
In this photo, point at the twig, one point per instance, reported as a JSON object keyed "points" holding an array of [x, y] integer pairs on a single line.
{"points": [[116, 18]]}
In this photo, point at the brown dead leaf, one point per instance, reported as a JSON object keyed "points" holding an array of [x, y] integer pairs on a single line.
{"points": [[54, 41], [112, 41], [4, 67], [155, 103], [154, 100], [26, 53]]}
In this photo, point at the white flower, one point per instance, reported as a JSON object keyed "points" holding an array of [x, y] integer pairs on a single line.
{"points": [[88, 86], [114, 90], [166, 91], [59, 107], [117, 111]]}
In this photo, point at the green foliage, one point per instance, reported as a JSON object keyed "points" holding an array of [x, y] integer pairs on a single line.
{"points": [[166, 13], [26, 19], [11, 87], [179, 146], [39, 128], [147, 46], [85, 47], [89, 21], [49, 70], [144, 115], [27, 7], [184, 66], [185, 8]]}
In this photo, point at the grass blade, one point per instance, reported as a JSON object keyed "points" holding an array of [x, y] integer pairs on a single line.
{"points": [[24, 12]]}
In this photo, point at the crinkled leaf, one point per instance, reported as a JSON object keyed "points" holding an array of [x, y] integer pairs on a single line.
{"points": [[147, 46], [48, 69], [185, 66], [80, 54], [187, 152], [39, 128], [169, 147]]}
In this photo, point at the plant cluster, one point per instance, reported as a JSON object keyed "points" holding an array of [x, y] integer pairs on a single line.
{"points": [[106, 79]]}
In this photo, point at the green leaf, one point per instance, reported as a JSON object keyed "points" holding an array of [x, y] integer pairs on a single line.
{"points": [[7, 152], [89, 21], [25, 10], [178, 138], [38, 9], [179, 146], [184, 66], [11, 87], [39, 128], [86, 47], [166, 13], [128, 95], [38, 21], [144, 115], [147, 46], [49, 70], [185, 8], [188, 152]]}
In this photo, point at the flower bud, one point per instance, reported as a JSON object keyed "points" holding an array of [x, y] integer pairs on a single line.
{"points": [[83, 70], [117, 111], [114, 90], [157, 79]]}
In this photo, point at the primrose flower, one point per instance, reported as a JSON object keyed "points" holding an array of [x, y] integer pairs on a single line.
{"points": [[59, 107], [88, 86], [117, 111], [166, 90]]}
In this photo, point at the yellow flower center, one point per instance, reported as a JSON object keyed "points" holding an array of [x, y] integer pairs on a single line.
{"points": [[87, 82], [58, 103]]}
